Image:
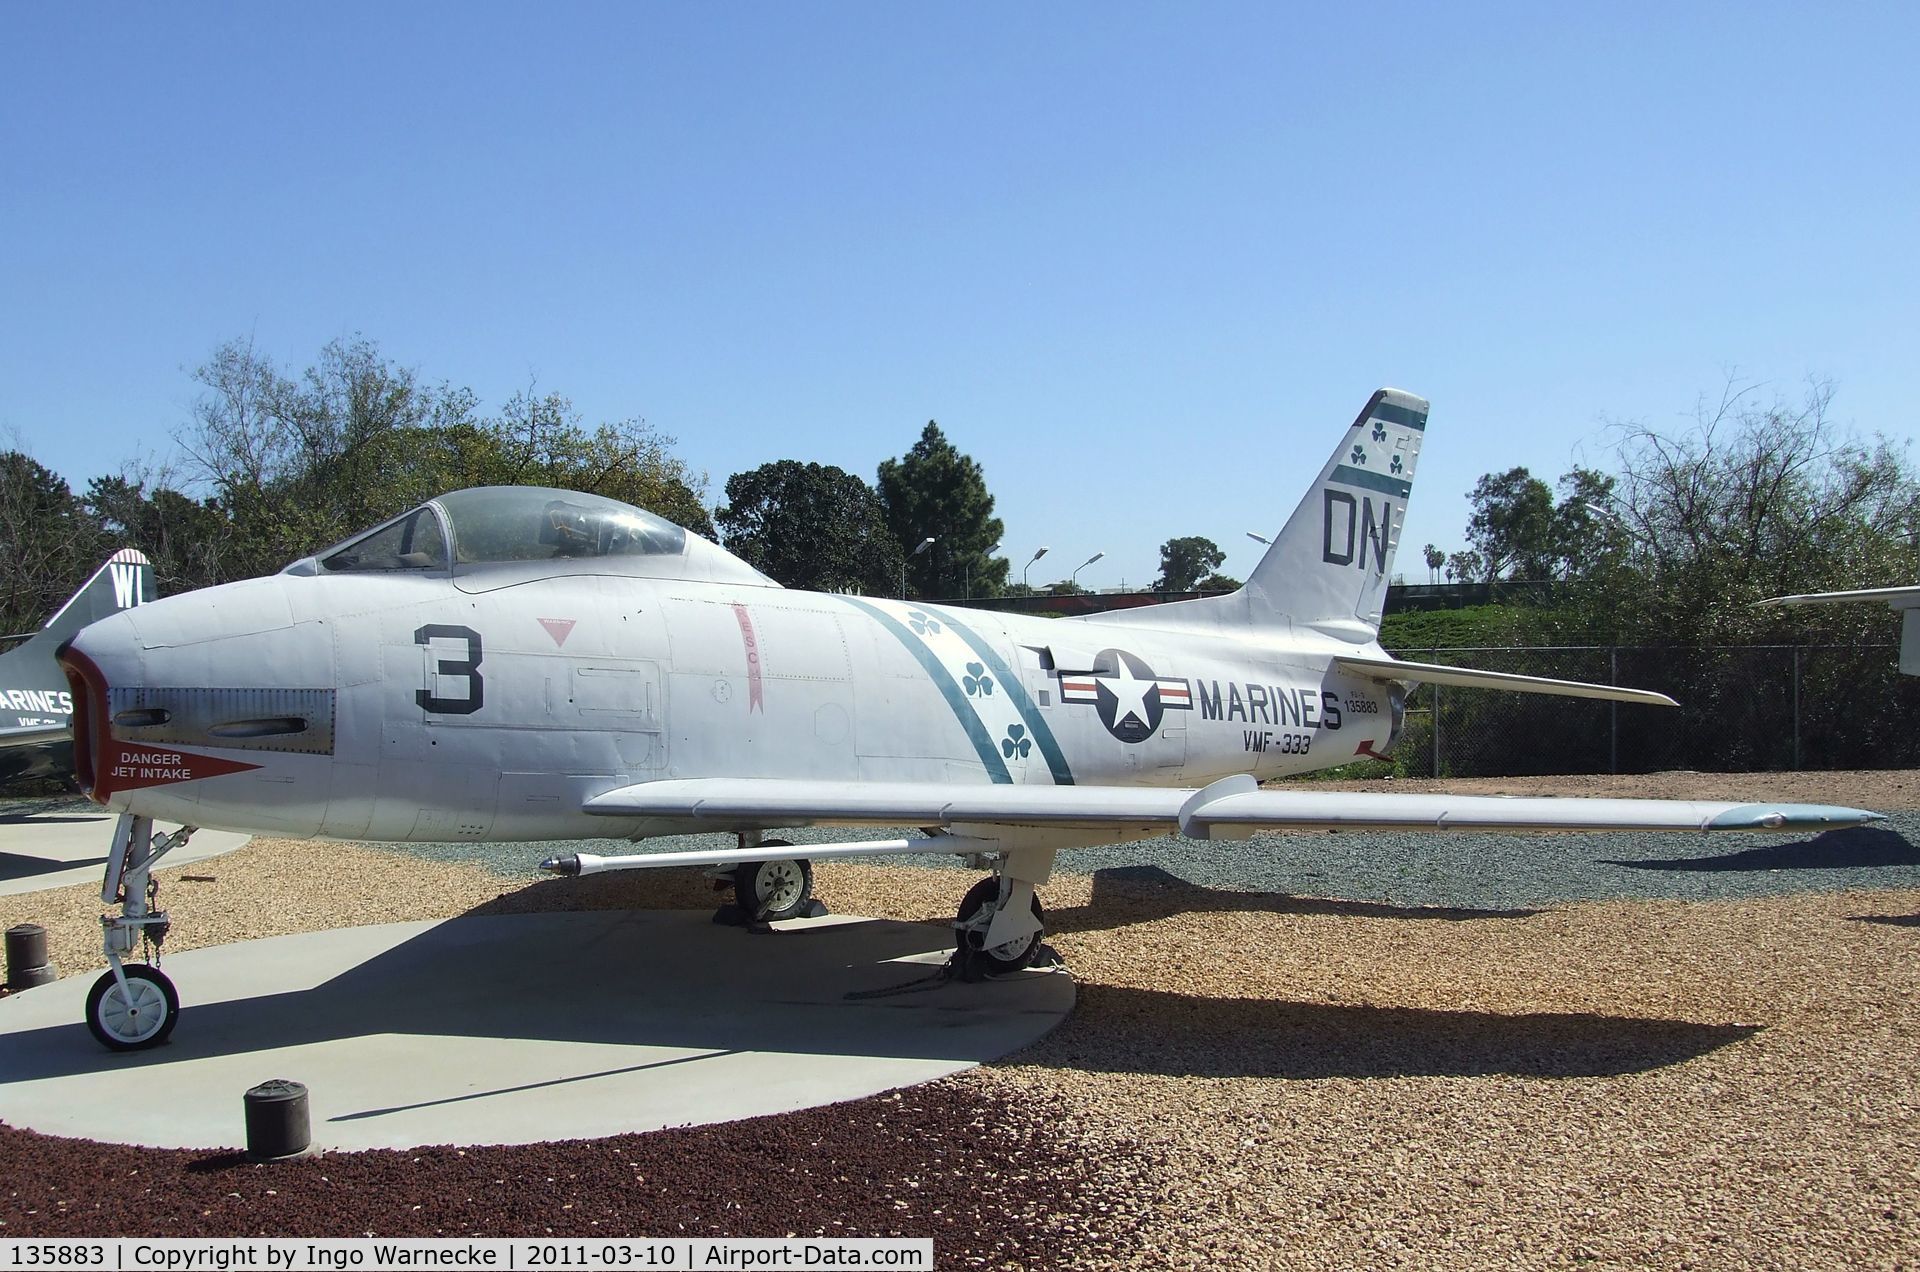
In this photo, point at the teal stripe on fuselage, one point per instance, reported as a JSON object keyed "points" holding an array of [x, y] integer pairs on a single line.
{"points": [[1036, 725], [943, 681]]}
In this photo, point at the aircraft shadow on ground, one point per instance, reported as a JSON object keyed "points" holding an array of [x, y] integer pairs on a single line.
{"points": [[1142, 1031], [1125, 895], [64, 818], [1891, 920], [615, 980], [15, 865], [1856, 848]]}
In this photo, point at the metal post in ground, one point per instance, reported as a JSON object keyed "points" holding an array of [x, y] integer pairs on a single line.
{"points": [[1613, 711], [1796, 708]]}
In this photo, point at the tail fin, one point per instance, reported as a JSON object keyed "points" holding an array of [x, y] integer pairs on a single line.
{"points": [[1328, 569], [124, 580]]}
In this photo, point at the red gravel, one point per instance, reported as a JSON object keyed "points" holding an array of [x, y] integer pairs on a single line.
{"points": [[990, 1184]]}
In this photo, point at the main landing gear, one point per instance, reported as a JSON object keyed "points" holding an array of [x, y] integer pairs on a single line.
{"points": [[768, 891], [999, 926], [133, 1006]]}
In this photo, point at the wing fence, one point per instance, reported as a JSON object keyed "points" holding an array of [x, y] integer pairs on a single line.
{"points": [[1742, 707]]}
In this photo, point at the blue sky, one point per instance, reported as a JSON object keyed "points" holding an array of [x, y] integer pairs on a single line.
{"points": [[1143, 262]]}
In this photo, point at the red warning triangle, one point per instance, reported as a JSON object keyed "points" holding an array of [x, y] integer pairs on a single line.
{"points": [[130, 766], [558, 628]]}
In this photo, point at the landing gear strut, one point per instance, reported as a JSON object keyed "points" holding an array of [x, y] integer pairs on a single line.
{"points": [[134, 1006], [999, 926], [974, 957]]}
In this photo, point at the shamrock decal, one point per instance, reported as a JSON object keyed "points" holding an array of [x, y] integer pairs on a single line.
{"points": [[978, 683], [1379, 431], [922, 624], [1359, 455], [1395, 465], [1016, 742]]}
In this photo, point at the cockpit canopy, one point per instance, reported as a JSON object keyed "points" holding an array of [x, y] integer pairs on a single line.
{"points": [[538, 529]]}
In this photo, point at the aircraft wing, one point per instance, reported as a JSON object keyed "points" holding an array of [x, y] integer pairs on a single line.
{"points": [[1231, 808], [1897, 597], [1468, 678]]}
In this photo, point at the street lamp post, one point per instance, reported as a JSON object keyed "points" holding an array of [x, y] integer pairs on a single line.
{"points": [[1029, 565], [968, 568], [924, 545], [1083, 565]]}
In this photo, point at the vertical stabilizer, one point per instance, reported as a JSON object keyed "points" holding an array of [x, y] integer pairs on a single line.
{"points": [[1327, 571], [123, 581], [1329, 567]]}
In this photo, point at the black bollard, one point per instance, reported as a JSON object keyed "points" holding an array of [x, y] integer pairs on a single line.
{"points": [[277, 1120], [27, 964]]}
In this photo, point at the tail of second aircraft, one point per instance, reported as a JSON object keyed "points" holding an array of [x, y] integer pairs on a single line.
{"points": [[124, 580], [1328, 569]]}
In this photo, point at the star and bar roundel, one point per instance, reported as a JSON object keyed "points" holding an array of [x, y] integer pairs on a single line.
{"points": [[1131, 700]]}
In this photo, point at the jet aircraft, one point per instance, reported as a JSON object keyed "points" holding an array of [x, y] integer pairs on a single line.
{"points": [[35, 704], [512, 663]]}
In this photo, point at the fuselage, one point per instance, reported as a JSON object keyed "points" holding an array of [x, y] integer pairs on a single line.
{"points": [[492, 704]]}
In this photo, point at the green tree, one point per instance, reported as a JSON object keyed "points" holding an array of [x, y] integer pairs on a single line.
{"points": [[541, 441], [811, 526], [186, 539], [1184, 562], [1465, 567], [48, 540], [297, 462], [1757, 498], [936, 491], [1512, 525], [1435, 559], [1587, 537]]}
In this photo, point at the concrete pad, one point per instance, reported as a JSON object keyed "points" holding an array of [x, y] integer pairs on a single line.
{"points": [[512, 1029], [52, 850]]}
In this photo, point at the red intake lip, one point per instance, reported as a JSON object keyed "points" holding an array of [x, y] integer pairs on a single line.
{"points": [[89, 689]]}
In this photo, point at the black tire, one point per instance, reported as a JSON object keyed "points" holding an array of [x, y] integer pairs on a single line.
{"points": [[999, 960], [773, 890], [120, 1028]]}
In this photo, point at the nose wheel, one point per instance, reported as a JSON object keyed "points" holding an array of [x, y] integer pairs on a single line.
{"points": [[133, 1007]]}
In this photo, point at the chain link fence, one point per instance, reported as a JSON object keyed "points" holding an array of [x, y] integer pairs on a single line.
{"points": [[1744, 707]]}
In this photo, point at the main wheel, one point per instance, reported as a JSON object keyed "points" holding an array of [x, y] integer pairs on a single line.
{"points": [[141, 1016], [773, 890], [997, 959]]}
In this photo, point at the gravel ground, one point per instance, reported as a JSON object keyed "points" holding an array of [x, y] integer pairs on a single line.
{"points": [[1339, 1051]]}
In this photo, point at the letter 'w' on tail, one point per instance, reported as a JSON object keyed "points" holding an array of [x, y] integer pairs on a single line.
{"points": [[1328, 569]]}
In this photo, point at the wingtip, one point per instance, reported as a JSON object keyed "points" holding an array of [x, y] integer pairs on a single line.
{"points": [[1815, 817]]}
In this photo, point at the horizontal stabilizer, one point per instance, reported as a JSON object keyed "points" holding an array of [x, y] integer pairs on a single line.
{"points": [[1231, 808], [1468, 678]]}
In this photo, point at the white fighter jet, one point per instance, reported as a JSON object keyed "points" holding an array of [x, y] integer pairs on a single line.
{"points": [[516, 664]]}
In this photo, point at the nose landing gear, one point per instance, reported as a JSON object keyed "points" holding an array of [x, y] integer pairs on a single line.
{"points": [[132, 1007]]}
